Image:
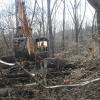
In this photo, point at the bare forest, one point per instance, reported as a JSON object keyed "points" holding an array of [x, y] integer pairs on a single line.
{"points": [[49, 49]]}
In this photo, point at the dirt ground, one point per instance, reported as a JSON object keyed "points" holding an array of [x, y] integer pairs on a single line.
{"points": [[78, 72]]}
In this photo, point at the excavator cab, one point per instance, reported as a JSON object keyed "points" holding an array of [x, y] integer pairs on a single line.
{"points": [[42, 47], [20, 47], [42, 44]]}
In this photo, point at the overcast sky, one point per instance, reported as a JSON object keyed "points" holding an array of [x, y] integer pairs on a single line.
{"points": [[89, 11]]}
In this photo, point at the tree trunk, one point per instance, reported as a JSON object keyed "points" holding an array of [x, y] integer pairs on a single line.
{"points": [[43, 19], [63, 39], [98, 26], [98, 20], [51, 37], [76, 21]]}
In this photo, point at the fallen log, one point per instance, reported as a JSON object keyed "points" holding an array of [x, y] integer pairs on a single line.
{"points": [[73, 85], [13, 64], [5, 63], [64, 86], [26, 85], [31, 74]]}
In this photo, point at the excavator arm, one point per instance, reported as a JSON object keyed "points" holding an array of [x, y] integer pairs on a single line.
{"points": [[23, 30]]}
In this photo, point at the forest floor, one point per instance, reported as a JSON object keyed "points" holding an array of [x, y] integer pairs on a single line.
{"points": [[82, 70]]}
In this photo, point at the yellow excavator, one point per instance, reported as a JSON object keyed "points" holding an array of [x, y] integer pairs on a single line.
{"points": [[28, 52], [24, 45]]}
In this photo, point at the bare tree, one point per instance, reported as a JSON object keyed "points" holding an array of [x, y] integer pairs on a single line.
{"points": [[63, 39], [50, 33], [78, 22], [34, 11], [43, 18]]}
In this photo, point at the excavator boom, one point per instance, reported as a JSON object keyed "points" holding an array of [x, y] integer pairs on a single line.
{"points": [[24, 31]]}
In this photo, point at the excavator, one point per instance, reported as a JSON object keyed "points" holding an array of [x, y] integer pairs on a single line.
{"points": [[24, 45], [30, 54]]}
